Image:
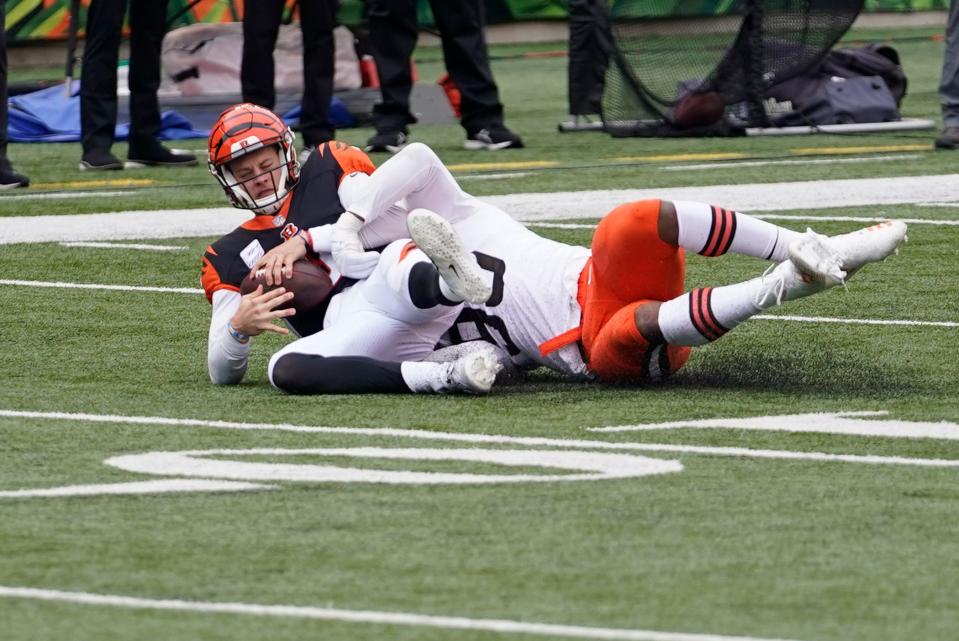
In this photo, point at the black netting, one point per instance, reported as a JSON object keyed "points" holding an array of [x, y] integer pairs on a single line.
{"points": [[672, 76]]}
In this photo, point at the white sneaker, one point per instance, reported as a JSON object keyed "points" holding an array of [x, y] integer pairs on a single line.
{"points": [[473, 373], [457, 267], [833, 260]]}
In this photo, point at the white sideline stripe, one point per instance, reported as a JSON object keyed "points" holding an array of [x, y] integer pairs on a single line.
{"points": [[736, 452], [856, 321], [810, 194], [65, 195], [595, 204], [860, 219], [116, 288], [190, 290], [503, 626], [518, 174], [765, 163], [141, 487], [139, 246], [852, 219], [945, 204]]}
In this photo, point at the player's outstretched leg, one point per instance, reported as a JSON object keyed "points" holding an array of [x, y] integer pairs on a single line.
{"points": [[472, 373], [461, 277], [706, 314], [304, 373], [711, 231]]}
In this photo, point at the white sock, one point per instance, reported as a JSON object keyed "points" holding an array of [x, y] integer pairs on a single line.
{"points": [[422, 377], [706, 314], [713, 231]]}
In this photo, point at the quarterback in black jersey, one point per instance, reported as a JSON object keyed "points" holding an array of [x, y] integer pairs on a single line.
{"points": [[252, 155]]}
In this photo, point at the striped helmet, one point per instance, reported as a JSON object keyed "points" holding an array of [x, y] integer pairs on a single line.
{"points": [[240, 130]]}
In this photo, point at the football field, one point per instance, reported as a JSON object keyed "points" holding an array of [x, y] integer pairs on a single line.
{"points": [[798, 479]]}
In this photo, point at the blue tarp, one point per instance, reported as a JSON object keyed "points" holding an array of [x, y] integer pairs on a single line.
{"points": [[48, 115]]}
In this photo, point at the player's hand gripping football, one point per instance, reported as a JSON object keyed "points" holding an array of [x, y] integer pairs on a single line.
{"points": [[347, 249], [257, 312], [277, 263]]}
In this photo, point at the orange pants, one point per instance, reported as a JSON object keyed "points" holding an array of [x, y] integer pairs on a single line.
{"points": [[631, 266]]}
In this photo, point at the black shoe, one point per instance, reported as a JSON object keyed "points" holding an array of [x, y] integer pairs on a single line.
{"points": [[949, 138], [493, 138], [10, 179], [97, 160], [391, 141], [159, 156]]}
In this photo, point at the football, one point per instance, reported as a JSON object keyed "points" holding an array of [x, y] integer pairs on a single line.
{"points": [[310, 285], [698, 110]]}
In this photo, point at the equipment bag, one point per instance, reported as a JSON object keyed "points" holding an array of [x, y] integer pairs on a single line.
{"points": [[866, 84]]}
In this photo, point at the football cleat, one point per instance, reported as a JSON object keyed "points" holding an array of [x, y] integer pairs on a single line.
{"points": [[832, 260], [473, 373], [783, 282], [457, 267], [813, 256], [508, 372]]}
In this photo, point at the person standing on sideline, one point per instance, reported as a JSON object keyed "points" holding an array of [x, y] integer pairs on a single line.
{"points": [[261, 26], [393, 34], [9, 178], [98, 86], [949, 84]]}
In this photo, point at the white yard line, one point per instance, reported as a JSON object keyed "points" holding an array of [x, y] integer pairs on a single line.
{"points": [[524, 207], [67, 195], [191, 290], [797, 218], [856, 321], [138, 246], [493, 176], [501, 626], [163, 486], [115, 288], [809, 161], [735, 452]]}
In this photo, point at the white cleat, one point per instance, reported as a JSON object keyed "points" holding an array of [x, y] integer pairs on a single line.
{"points": [[473, 373], [813, 256], [784, 282], [833, 260], [457, 267]]}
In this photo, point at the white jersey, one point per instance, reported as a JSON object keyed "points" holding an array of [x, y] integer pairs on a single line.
{"points": [[534, 279], [535, 282]]}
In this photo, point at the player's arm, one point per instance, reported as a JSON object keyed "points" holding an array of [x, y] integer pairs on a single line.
{"points": [[235, 320]]}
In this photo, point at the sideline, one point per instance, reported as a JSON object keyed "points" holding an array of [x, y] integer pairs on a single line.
{"points": [[192, 290]]}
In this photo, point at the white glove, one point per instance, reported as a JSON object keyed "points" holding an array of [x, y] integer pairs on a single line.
{"points": [[347, 250]]}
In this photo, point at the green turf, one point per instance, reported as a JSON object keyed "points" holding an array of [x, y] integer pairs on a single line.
{"points": [[815, 551]]}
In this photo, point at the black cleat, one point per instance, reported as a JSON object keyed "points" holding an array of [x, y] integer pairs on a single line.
{"points": [[159, 156], [493, 138]]}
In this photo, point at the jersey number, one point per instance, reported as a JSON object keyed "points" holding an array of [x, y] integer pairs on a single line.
{"points": [[491, 329]]}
